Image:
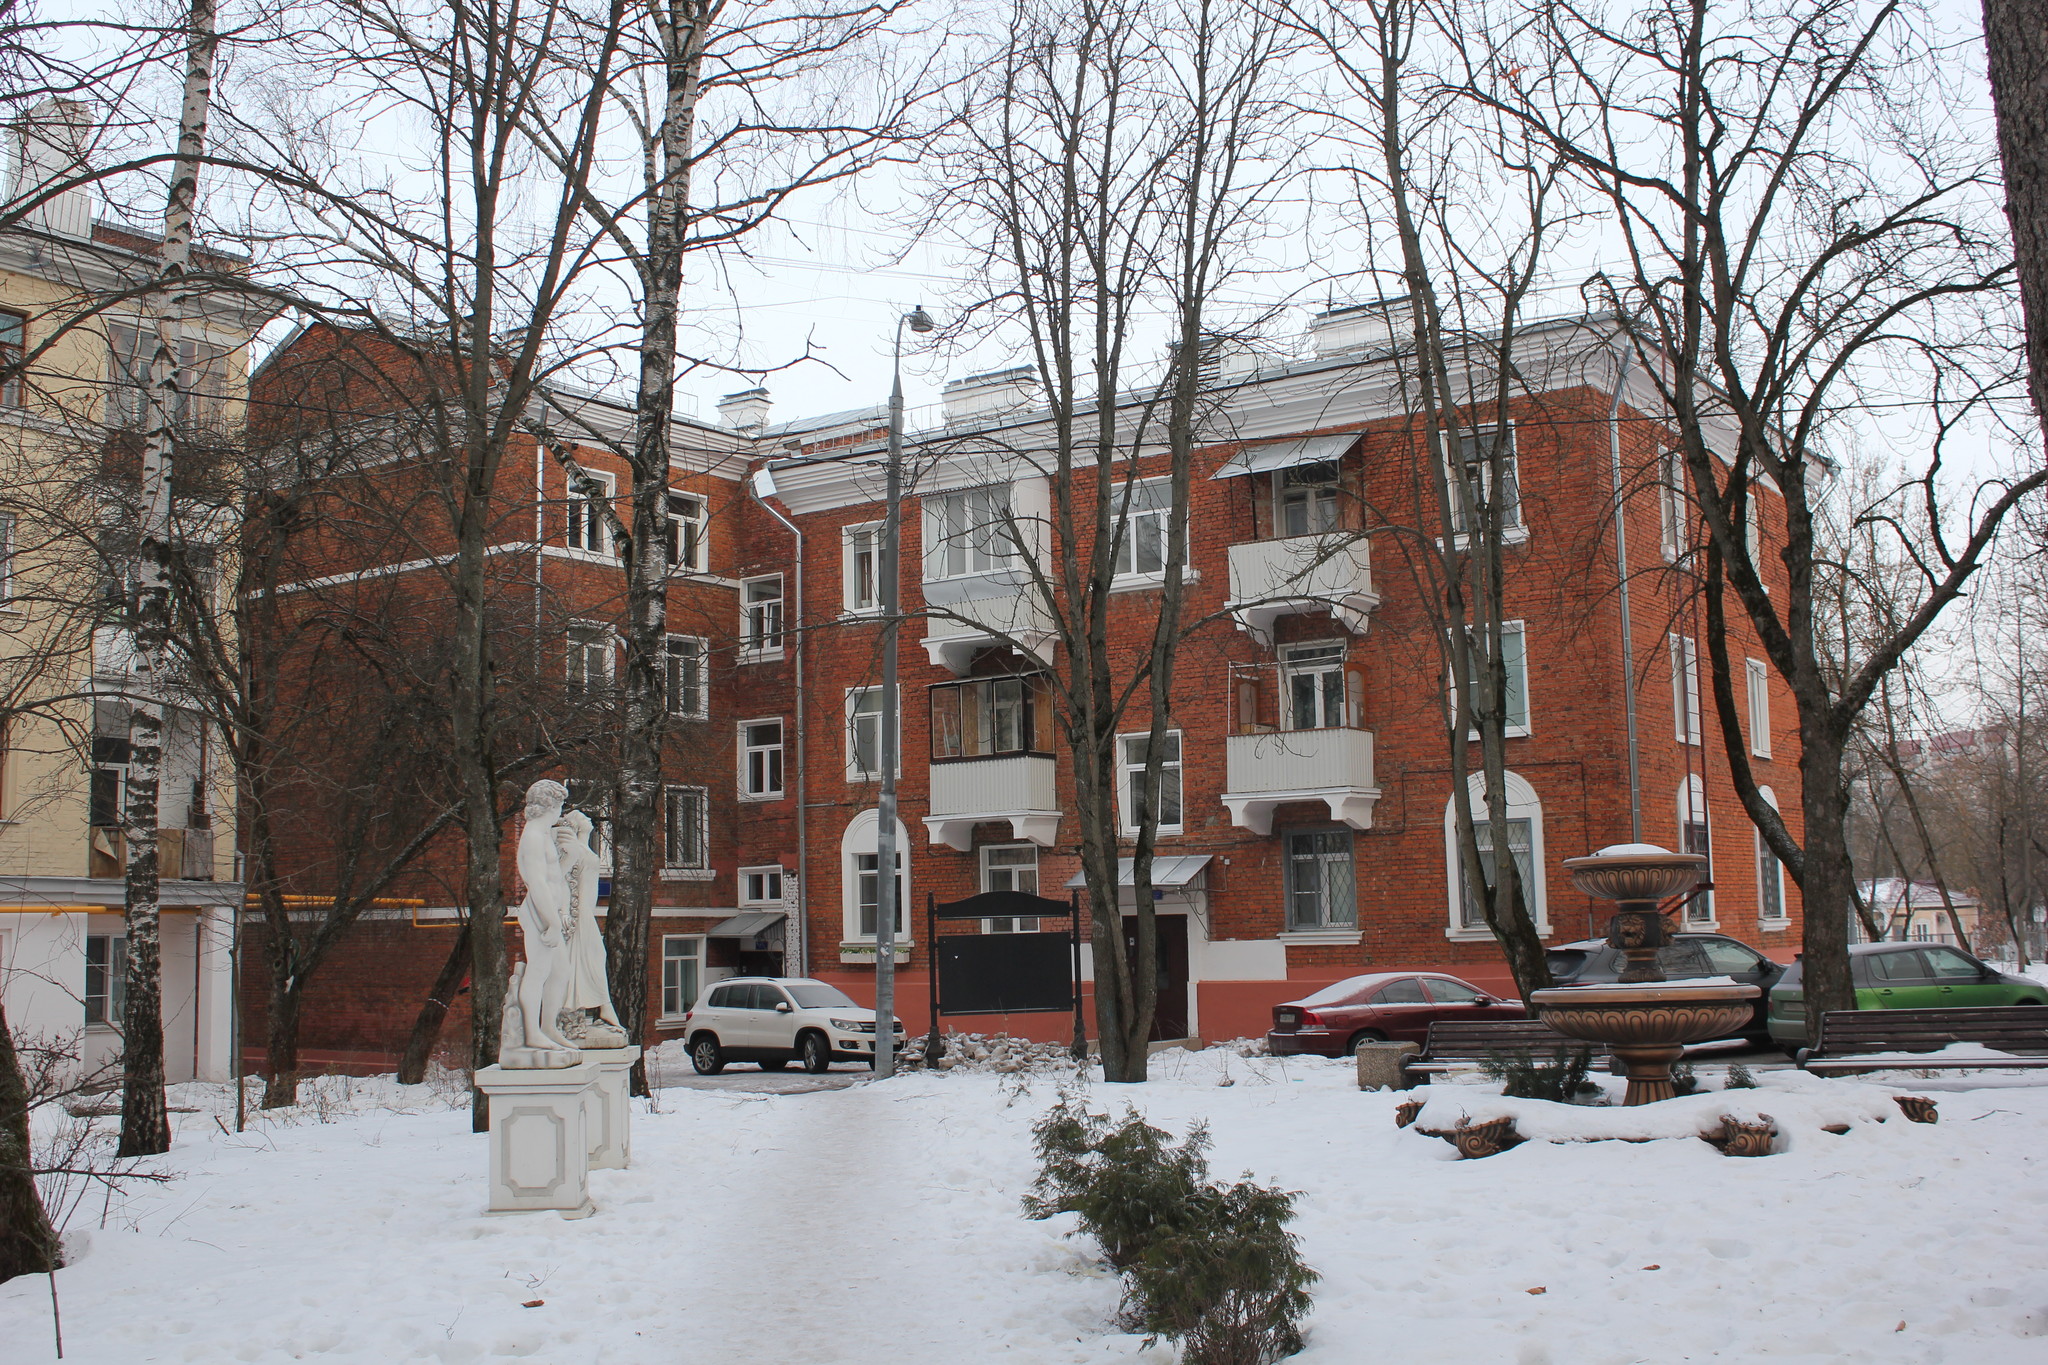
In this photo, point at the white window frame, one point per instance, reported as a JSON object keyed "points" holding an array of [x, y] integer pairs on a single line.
{"points": [[673, 1006], [1691, 808], [111, 1004], [1685, 689], [855, 718], [1137, 524], [860, 549], [11, 353], [980, 547], [676, 663], [1523, 804], [689, 549], [585, 520], [583, 640], [775, 894], [991, 872], [1512, 528], [1328, 895], [859, 840], [1313, 658], [1758, 677], [1671, 505], [8, 523], [764, 622], [1129, 773], [772, 760], [673, 869], [1516, 657], [1322, 499], [1772, 869]]}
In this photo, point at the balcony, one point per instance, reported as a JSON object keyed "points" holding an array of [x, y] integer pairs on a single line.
{"points": [[958, 630], [183, 854], [1271, 768], [1274, 578], [1016, 787]]}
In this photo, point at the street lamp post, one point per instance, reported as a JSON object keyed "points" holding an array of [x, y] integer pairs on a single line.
{"points": [[886, 569]]}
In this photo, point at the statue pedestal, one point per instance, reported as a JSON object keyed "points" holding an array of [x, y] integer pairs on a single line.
{"points": [[540, 1138], [611, 1109]]}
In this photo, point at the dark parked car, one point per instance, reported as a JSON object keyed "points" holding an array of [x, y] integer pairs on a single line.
{"points": [[1687, 955], [1382, 1007], [1903, 976]]}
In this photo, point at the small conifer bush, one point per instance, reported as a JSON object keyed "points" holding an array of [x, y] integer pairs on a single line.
{"points": [[1739, 1078], [1561, 1078]]}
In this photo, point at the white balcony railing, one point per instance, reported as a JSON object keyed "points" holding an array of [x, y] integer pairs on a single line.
{"points": [[956, 631], [1273, 768], [1018, 788], [1274, 578]]}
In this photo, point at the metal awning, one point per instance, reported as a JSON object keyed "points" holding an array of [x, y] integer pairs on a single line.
{"points": [[1168, 873], [751, 924], [1286, 455]]}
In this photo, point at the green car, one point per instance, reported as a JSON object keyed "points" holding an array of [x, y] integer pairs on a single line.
{"points": [[1902, 976]]}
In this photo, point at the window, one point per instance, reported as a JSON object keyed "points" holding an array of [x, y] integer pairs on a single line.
{"points": [[682, 968], [863, 567], [1405, 992], [1444, 991], [1306, 500], [593, 797], [760, 760], [589, 497], [1726, 957], [1525, 844], [860, 882], [6, 556], [1476, 450], [990, 716], [106, 978], [1010, 867], [1321, 889], [202, 376], [13, 336], [1671, 504], [761, 616], [1695, 835], [1141, 549], [966, 532], [1759, 678], [1132, 750], [590, 659], [686, 690], [1514, 654], [1314, 679], [1949, 965], [864, 735], [1770, 873], [110, 754], [1685, 688], [760, 886], [687, 550], [687, 827], [1753, 531]]}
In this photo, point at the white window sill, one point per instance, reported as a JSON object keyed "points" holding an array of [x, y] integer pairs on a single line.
{"points": [[670, 1021], [864, 951], [689, 874], [586, 556], [747, 798], [759, 656], [1510, 535], [1485, 935], [860, 614], [1147, 582], [1773, 926], [689, 715], [1347, 937]]}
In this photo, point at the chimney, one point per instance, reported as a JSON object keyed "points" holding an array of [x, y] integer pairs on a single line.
{"points": [[1366, 328], [50, 145], [745, 411], [989, 395]]}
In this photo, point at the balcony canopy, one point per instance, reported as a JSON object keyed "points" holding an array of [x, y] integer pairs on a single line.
{"points": [[748, 924], [1169, 872], [1286, 455]]}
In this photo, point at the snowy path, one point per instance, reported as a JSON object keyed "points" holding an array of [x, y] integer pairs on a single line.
{"points": [[755, 1229]]}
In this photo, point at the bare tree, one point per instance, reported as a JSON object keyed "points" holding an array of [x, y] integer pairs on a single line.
{"points": [[2016, 43], [28, 1241]]}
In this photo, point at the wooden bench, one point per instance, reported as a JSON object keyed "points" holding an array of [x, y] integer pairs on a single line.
{"points": [[1455, 1045], [1847, 1038]]}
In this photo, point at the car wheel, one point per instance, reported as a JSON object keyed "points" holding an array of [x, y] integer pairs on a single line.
{"points": [[775, 1063], [1364, 1035], [706, 1056], [817, 1053]]}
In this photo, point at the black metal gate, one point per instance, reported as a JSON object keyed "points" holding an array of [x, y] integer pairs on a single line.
{"points": [[1034, 973]]}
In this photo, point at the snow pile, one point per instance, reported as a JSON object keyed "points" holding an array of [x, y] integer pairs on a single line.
{"points": [[1796, 1102], [993, 1052], [879, 1225]]}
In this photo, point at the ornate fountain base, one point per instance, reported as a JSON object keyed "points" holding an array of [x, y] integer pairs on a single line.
{"points": [[1647, 1025]]}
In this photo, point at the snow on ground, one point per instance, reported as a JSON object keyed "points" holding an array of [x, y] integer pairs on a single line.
{"points": [[878, 1225]]}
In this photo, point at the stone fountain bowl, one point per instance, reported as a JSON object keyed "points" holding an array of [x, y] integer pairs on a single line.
{"points": [[1654, 1014]]}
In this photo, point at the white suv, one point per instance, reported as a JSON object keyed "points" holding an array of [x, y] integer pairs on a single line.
{"points": [[776, 1020]]}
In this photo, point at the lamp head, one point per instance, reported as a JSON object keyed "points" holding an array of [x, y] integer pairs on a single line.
{"points": [[918, 320]]}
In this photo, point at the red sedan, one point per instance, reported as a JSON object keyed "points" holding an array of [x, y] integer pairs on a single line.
{"points": [[1384, 1007]]}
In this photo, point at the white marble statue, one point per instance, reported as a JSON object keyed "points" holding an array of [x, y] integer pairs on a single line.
{"points": [[587, 1015], [540, 985]]}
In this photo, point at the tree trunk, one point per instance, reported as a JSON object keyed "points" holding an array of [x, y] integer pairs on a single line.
{"points": [[2016, 46], [426, 1025], [28, 1244], [281, 1033], [1828, 884]]}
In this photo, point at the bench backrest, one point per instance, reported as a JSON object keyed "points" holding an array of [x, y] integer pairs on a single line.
{"points": [[2008, 1028], [1476, 1038]]}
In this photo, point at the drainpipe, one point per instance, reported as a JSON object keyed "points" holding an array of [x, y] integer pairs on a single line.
{"points": [[1623, 357], [803, 859]]}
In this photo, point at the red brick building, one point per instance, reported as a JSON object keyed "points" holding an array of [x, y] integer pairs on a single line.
{"points": [[1310, 760]]}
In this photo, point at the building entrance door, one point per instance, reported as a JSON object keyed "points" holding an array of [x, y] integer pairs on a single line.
{"points": [[1170, 1015]]}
